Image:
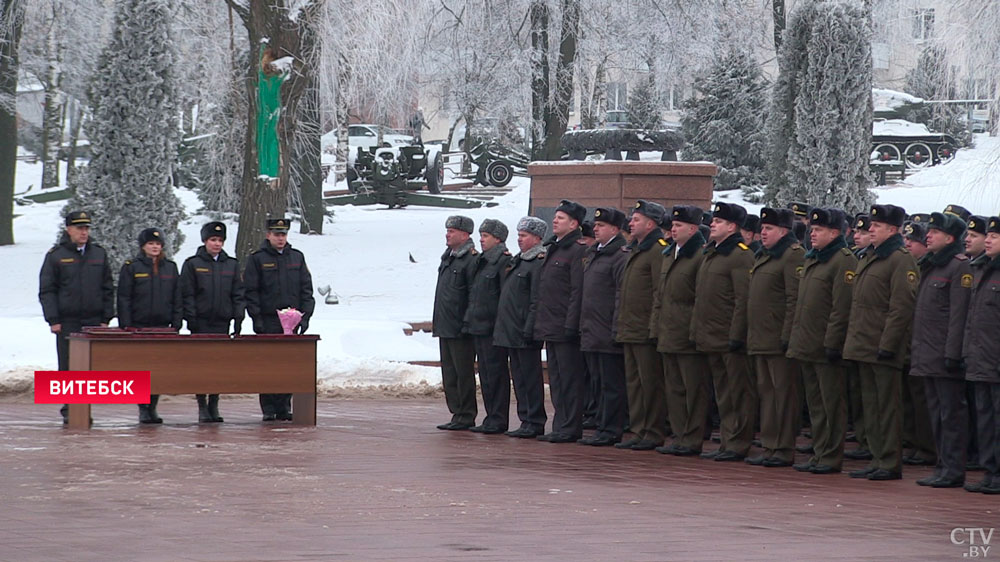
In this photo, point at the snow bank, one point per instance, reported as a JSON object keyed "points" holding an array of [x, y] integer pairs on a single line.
{"points": [[900, 128], [888, 100]]}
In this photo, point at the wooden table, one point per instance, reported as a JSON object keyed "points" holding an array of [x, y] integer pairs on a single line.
{"points": [[204, 364]]}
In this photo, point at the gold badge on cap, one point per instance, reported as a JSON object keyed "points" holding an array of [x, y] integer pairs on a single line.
{"points": [[795, 207], [972, 224], [83, 215], [218, 227], [597, 213], [993, 224], [281, 223], [763, 214], [908, 229], [155, 233], [638, 204], [861, 223], [815, 216], [718, 207], [874, 211]]}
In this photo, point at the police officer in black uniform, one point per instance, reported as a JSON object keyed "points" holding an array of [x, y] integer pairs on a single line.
{"points": [[75, 286], [149, 296], [276, 277], [212, 292]]}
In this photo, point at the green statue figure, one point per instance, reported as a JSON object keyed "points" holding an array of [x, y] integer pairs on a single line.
{"points": [[269, 80]]}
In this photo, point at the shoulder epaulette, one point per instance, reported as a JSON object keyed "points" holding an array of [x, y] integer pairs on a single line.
{"points": [[255, 251], [52, 249], [506, 252], [961, 257], [742, 246], [128, 262], [581, 241], [846, 252], [474, 252], [662, 242]]}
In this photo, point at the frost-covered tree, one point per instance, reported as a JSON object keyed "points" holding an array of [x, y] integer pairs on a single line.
{"points": [[821, 114], [933, 79], [128, 185], [724, 121]]}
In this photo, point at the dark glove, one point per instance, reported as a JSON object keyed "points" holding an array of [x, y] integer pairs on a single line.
{"points": [[302, 327], [954, 365], [884, 355], [784, 347], [735, 346], [833, 355], [571, 335], [236, 327]]}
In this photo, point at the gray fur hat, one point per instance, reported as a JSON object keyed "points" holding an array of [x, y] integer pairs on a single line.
{"points": [[495, 228], [533, 225], [459, 222]]}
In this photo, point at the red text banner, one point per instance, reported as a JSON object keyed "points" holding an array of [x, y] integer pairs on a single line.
{"points": [[91, 387]]}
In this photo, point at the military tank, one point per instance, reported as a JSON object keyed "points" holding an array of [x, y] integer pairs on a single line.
{"points": [[898, 140]]}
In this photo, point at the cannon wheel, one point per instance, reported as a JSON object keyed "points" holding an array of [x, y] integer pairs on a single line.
{"points": [[435, 174], [918, 156], [499, 173], [887, 152], [945, 153]]}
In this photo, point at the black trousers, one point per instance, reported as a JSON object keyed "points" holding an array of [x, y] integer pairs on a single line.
{"points": [[458, 376], [566, 386], [494, 382], [608, 369], [918, 435], [62, 350], [272, 404], [988, 419], [592, 390], [529, 388], [948, 414]]}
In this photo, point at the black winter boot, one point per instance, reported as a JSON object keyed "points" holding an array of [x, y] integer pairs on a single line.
{"points": [[153, 399], [213, 408], [203, 415]]}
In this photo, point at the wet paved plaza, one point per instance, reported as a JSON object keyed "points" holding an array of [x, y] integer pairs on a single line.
{"points": [[376, 481]]}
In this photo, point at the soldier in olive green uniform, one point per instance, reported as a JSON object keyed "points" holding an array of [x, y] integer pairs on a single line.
{"points": [[684, 369], [647, 401], [819, 328], [936, 354], [719, 328], [774, 288], [862, 237], [878, 338]]}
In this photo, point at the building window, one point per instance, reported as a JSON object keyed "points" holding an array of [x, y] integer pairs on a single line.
{"points": [[923, 24], [617, 96]]}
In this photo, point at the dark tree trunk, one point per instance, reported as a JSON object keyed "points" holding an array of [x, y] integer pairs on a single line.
{"points": [[562, 97], [75, 122], [11, 19], [310, 166], [264, 198], [778, 8], [539, 15], [51, 117]]}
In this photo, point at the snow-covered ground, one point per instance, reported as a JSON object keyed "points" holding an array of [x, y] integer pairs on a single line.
{"points": [[364, 256]]}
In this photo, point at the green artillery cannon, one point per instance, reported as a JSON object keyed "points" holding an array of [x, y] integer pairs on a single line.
{"points": [[496, 163], [387, 184]]}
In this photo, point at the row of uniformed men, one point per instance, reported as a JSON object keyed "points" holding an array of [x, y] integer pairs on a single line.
{"points": [[76, 290], [659, 322]]}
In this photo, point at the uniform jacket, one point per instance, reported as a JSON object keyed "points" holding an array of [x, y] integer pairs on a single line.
{"points": [[941, 309], [75, 288], [484, 295], [274, 281], [882, 303], [147, 299], [561, 290], [516, 310], [823, 306], [212, 290], [642, 273], [774, 288], [720, 304], [673, 300], [982, 344], [602, 277], [451, 297]]}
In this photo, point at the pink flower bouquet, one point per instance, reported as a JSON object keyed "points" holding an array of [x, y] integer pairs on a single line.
{"points": [[289, 318]]}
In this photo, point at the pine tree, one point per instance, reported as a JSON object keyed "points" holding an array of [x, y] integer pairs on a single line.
{"points": [[932, 79], [822, 109], [128, 185], [644, 106], [724, 122]]}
